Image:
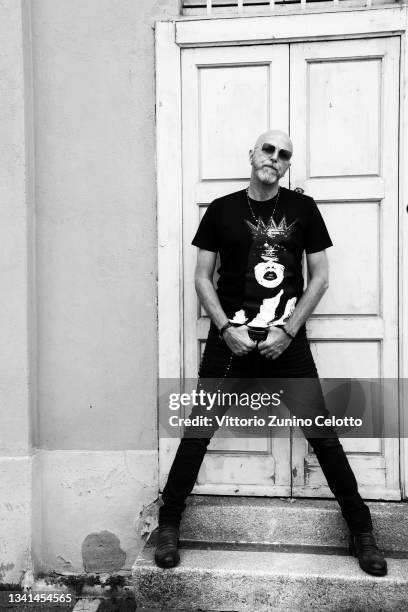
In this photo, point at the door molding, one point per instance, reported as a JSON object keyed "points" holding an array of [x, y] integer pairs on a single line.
{"points": [[170, 38], [169, 219], [324, 25]]}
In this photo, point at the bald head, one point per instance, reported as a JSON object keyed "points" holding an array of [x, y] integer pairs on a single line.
{"points": [[281, 138], [270, 160]]}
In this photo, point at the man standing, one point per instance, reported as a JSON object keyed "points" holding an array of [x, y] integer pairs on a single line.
{"points": [[261, 234]]}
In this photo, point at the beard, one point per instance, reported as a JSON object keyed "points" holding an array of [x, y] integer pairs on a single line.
{"points": [[266, 175]]}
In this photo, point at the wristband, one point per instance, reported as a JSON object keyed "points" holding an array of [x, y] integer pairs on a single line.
{"points": [[223, 328], [287, 333]]}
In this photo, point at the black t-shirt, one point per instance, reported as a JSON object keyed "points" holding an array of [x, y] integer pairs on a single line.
{"points": [[260, 276]]}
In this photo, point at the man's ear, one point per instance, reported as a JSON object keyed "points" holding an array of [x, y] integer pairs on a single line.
{"points": [[251, 154]]}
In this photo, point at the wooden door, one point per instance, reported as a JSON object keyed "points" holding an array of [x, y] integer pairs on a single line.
{"points": [[343, 110], [229, 96], [344, 124]]}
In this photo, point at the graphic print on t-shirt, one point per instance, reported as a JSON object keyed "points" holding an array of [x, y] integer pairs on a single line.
{"points": [[269, 286]]}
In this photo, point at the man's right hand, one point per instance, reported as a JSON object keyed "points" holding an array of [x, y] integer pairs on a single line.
{"points": [[238, 341]]}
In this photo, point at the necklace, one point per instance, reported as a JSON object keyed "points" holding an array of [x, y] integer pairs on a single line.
{"points": [[250, 207]]}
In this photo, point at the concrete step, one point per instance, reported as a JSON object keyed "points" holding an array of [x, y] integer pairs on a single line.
{"points": [[304, 522], [259, 581]]}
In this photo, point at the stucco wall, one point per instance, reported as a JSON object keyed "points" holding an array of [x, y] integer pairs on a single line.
{"points": [[96, 221], [17, 378], [94, 127]]}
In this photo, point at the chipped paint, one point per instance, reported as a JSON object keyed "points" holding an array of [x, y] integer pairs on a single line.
{"points": [[15, 517], [307, 473], [66, 565], [5, 567], [101, 552], [148, 519], [28, 580], [70, 475]]}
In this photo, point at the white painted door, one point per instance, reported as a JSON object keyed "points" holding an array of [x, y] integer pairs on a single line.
{"points": [[229, 94], [344, 123], [347, 90]]}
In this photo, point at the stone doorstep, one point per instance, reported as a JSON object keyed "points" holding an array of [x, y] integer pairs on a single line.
{"points": [[305, 522], [248, 581]]}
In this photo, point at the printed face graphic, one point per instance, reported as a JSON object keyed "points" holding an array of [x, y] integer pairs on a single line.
{"points": [[269, 273], [266, 302]]}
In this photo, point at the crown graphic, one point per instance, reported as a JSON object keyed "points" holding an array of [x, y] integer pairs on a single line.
{"points": [[271, 230]]}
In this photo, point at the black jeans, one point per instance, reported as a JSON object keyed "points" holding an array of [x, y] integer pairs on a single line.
{"points": [[295, 362]]}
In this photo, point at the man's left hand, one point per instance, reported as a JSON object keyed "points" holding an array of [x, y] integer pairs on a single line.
{"points": [[274, 345]]}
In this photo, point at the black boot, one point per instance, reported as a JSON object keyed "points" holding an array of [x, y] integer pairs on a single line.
{"points": [[370, 558], [166, 554]]}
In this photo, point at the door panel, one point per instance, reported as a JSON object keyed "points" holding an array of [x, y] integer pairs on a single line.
{"points": [[339, 90], [226, 128], [229, 97], [344, 125], [358, 293]]}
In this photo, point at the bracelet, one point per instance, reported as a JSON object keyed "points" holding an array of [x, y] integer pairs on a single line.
{"points": [[223, 328], [288, 333]]}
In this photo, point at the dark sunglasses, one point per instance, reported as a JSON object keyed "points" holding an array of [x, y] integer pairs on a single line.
{"points": [[283, 154]]}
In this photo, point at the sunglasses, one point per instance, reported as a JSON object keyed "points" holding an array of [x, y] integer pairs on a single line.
{"points": [[283, 154]]}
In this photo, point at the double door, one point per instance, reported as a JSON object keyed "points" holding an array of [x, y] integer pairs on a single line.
{"points": [[339, 100]]}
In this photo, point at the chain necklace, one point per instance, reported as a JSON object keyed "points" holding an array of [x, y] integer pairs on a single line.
{"points": [[250, 207]]}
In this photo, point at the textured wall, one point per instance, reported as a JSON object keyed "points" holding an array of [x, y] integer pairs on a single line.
{"points": [[15, 213], [16, 330], [96, 221], [94, 120]]}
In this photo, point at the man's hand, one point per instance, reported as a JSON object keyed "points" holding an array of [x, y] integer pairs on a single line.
{"points": [[238, 341], [274, 345]]}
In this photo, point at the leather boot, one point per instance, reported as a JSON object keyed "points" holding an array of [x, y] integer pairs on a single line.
{"points": [[166, 554], [370, 558]]}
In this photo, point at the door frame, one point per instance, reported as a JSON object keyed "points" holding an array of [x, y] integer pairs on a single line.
{"points": [[171, 38]]}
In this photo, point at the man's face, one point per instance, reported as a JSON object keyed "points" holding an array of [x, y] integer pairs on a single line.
{"points": [[270, 157]]}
